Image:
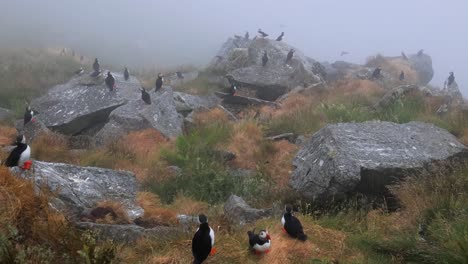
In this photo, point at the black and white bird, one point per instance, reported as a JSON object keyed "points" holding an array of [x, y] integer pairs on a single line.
{"points": [[376, 73], [126, 74], [203, 241], [290, 55], [402, 76], [450, 79], [233, 88], [263, 34], [20, 154], [180, 75], [145, 96], [79, 71], [260, 243], [264, 58], [280, 37], [292, 225], [96, 66], [110, 81], [159, 82], [29, 115], [246, 36]]}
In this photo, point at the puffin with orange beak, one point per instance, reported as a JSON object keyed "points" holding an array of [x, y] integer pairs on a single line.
{"points": [[260, 243]]}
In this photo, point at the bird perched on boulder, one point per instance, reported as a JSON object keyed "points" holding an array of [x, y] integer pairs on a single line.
{"points": [[29, 114], [260, 243], [159, 82], [233, 89], [79, 71], [126, 74], [145, 96], [280, 37], [237, 37], [376, 74], [263, 34], [246, 36], [180, 75], [20, 155], [450, 79], [203, 241], [420, 52], [110, 81], [290, 55], [264, 58], [403, 55], [292, 225], [96, 66], [402, 76]]}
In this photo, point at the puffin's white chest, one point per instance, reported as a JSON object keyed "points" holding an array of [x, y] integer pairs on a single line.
{"points": [[262, 248], [25, 156]]}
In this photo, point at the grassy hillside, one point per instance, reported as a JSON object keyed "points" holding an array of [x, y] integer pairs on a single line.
{"points": [[33, 233]]}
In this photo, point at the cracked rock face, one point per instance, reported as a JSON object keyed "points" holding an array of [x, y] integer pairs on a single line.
{"points": [[365, 157], [83, 187]]}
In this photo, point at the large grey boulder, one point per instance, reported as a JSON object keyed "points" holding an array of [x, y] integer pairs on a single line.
{"points": [[186, 103], [83, 102], [366, 157], [6, 115], [244, 63], [422, 64], [129, 233], [237, 211], [80, 188], [161, 114]]}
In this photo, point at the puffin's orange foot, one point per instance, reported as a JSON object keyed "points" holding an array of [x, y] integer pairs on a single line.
{"points": [[213, 251], [267, 251], [284, 230]]}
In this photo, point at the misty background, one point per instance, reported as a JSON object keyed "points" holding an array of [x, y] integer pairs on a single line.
{"points": [[142, 33]]}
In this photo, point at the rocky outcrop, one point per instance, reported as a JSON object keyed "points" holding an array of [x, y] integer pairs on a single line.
{"points": [[242, 59], [129, 233], [79, 188], [176, 80], [136, 115], [394, 94], [422, 64], [6, 115], [365, 157], [83, 102], [237, 211], [186, 103]]}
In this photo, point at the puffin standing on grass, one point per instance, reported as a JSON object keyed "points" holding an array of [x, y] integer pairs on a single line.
{"points": [[110, 81], [20, 155], [29, 115], [260, 243], [292, 225], [203, 241]]}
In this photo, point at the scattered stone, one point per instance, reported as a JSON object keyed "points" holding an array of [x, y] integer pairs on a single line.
{"points": [[291, 137], [237, 211]]}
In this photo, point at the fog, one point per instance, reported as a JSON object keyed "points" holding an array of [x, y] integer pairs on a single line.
{"points": [[168, 33]]}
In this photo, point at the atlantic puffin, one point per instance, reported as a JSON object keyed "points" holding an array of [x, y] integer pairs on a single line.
{"points": [[260, 243], [29, 115], [264, 35], [292, 225], [20, 155], [376, 73], [203, 241], [96, 66], [159, 82], [280, 37], [402, 76], [79, 71], [145, 96], [126, 74], [450, 79], [264, 58], [110, 81], [290, 55]]}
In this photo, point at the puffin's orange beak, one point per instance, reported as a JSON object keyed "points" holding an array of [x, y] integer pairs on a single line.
{"points": [[268, 237]]}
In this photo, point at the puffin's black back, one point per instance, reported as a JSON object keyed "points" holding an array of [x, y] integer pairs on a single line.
{"points": [[15, 155], [27, 116], [294, 227], [201, 243], [110, 81], [145, 97], [159, 83]]}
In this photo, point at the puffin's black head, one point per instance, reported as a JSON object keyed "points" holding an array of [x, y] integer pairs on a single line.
{"points": [[108, 73], [159, 75], [288, 208], [21, 139], [451, 73], [95, 60], [202, 219]]}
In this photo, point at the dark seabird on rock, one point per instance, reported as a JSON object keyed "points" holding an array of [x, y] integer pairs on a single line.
{"points": [[110, 81], [420, 53], [260, 243], [290, 55], [264, 58], [403, 55], [79, 71], [246, 36], [203, 241], [29, 114], [450, 79], [402, 76], [126, 74], [263, 34], [280, 37], [145, 96], [96, 66], [20, 155], [179, 75], [159, 82], [376, 73]]}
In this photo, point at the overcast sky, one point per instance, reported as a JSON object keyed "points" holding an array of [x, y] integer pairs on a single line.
{"points": [[153, 32]]}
